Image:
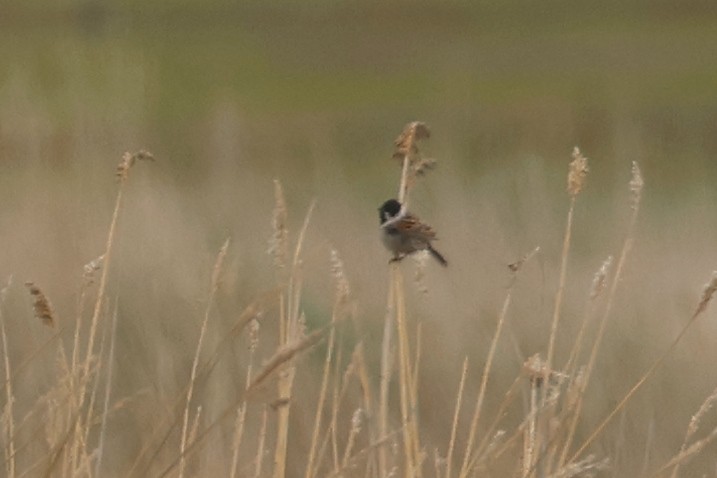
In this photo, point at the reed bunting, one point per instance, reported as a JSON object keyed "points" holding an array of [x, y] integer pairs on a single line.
{"points": [[403, 233]]}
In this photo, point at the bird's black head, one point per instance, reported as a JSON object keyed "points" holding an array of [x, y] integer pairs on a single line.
{"points": [[389, 209]]}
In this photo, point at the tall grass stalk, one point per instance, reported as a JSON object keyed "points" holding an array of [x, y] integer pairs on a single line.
{"points": [[411, 166], [214, 286], [580, 380], [577, 172], [123, 169], [385, 380], [456, 414], [636, 184], [407, 401], [108, 390], [241, 412], [8, 413], [340, 298], [289, 332]]}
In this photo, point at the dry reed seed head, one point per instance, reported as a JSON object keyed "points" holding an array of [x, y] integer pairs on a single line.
{"points": [[423, 165], [128, 160], [217, 270], [535, 369], [697, 417], [279, 242], [406, 143], [573, 391], [636, 185], [600, 279], [439, 460], [195, 425], [350, 369], [254, 333], [419, 276], [41, 305], [337, 272], [91, 268], [707, 293], [395, 450], [577, 172], [495, 440], [302, 326], [357, 420], [584, 467]]}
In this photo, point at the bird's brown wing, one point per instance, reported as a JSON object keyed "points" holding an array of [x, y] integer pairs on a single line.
{"points": [[411, 225]]}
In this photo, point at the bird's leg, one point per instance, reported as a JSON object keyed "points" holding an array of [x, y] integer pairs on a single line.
{"points": [[396, 258]]}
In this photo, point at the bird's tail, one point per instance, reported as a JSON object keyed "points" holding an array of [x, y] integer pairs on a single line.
{"points": [[437, 256]]}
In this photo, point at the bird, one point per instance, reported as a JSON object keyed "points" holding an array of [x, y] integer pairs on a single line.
{"points": [[403, 233]]}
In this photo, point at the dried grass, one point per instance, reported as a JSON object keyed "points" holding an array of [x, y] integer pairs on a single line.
{"points": [[346, 428]]}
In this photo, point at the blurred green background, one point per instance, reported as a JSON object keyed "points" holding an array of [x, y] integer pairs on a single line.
{"points": [[496, 81]]}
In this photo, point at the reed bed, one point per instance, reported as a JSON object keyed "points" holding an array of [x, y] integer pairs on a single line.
{"points": [[272, 384]]}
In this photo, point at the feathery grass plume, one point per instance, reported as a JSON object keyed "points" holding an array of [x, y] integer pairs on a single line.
{"points": [[483, 453], [195, 425], [406, 143], [586, 467], [577, 173], [636, 185], [91, 268], [337, 272], [423, 165], [129, 159], [690, 451], [279, 242], [254, 326], [356, 421], [707, 293], [412, 163], [600, 279], [536, 371], [41, 305], [597, 287], [695, 421]]}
